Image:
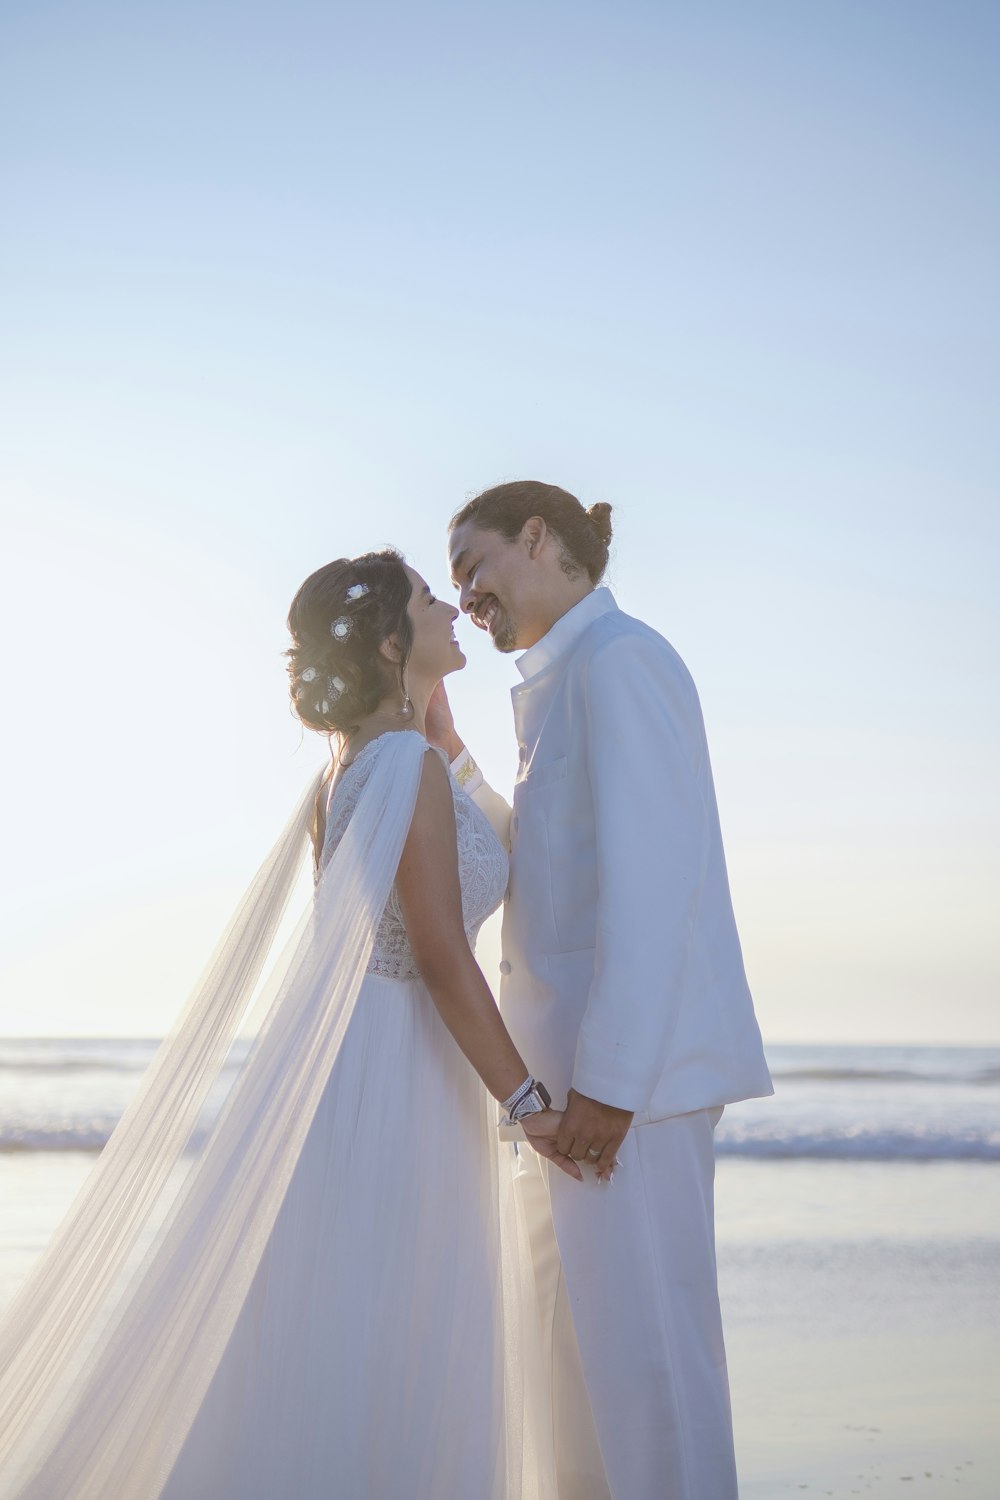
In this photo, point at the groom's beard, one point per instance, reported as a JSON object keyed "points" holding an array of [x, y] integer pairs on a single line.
{"points": [[505, 639]]}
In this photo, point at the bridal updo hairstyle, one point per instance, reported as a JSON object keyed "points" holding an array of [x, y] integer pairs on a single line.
{"points": [[585, 535], [336, 674]]}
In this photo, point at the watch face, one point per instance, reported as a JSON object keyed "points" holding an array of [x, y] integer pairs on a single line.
{"points": [[544, 1094]]}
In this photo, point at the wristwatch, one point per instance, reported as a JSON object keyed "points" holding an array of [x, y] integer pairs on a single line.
{"points": [[530, 1099]]}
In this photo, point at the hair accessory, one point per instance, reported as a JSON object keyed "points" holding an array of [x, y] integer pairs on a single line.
{"points": [[357, 591], [341, 629], [309, 675], [334, 688]]}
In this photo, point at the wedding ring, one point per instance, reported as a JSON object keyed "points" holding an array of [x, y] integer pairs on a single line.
{"points": [[592, 1152]]}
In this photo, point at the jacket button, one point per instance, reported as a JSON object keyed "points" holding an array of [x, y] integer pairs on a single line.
{"points": [[504, 966]]}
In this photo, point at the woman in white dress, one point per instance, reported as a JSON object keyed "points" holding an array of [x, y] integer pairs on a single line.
{"points": [[329, 1306]]}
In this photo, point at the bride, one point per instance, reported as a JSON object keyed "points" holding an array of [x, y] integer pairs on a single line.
{"points": [[293, 1270]]}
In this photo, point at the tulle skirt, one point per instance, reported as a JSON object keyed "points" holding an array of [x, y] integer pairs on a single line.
{"points": [[368, 1359]]}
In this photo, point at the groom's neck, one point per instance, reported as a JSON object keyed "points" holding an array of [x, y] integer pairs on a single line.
{"points": [[558, 604]]}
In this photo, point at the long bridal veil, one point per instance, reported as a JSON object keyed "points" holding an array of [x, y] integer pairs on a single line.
{"points": [[109, 1348]]}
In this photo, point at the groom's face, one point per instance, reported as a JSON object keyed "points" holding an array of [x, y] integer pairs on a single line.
{"points": [[494, 580]]}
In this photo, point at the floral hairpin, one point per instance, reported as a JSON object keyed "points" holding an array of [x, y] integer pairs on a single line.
{"points": [[334, 686], [343, 625]]}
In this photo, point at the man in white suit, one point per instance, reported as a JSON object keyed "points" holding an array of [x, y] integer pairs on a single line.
{"points": [[623, 982]]}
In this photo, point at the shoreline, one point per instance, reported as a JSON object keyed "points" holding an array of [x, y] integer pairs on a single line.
{"points": [[860, 1305]]}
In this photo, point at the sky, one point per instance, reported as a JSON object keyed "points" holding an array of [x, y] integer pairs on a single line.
{"points": [[284, 282]]}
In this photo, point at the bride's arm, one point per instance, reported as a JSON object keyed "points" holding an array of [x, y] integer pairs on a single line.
{"points": [[441, 731], [468, 775], [430, 900]]}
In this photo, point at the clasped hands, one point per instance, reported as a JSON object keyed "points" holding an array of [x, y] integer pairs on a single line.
{"points": [[585, 1130]]}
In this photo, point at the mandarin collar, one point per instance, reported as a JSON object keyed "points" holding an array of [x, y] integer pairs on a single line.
{"points": [[565, 632]]}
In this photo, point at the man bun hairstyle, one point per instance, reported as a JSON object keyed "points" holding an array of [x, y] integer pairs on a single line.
{"points": [[338, 619], [600, 519], [584, 535]]}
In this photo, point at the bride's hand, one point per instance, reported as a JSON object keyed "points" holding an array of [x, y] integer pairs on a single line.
{"points": [[541, 1130], [439, 725]]}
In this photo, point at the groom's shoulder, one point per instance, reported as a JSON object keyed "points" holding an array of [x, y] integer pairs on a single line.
{"points": [[617, 641]]}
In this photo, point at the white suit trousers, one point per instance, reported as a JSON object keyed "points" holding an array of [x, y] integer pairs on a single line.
{"points": [[632, 1333]]}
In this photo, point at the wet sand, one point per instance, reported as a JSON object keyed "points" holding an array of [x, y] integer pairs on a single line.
{"points": [[861, 1306], [862, 1327]]}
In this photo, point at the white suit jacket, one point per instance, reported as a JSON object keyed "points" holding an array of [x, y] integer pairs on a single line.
{"points": [[622, 973]]}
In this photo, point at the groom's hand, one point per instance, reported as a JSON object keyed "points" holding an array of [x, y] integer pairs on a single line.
{"points": [[541, 1130], [439, 726], [589, 1127]]}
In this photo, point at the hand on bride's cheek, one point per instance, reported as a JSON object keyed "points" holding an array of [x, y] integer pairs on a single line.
{"points": [[439, 724]]}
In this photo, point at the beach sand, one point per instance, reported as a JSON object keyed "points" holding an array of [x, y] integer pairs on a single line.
{"points": [[861, 1311]]}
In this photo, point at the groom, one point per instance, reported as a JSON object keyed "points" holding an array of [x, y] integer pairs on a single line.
{"points": [[623, 985]]}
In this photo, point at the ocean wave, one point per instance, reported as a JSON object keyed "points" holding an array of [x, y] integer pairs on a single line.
{"points": [[794, 1065], [54, 1138], [96, 1062], [76, 1065], [884, 1075], [862, 1145], [824, 1145]]}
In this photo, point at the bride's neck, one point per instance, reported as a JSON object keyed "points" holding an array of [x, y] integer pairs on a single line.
{"points": [[420, 696], [389, 715]]}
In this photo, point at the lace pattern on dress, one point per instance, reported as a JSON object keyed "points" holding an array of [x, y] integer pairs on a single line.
{"points": [[482, 865]]}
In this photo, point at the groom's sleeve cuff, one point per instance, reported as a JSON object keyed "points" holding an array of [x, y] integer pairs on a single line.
{"points": [[466, 772]]}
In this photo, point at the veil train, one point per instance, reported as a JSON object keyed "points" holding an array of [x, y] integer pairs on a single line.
{"points": [[110, 1345]]}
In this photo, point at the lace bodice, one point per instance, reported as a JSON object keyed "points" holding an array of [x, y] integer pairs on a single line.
{"points": [[482, 865]]}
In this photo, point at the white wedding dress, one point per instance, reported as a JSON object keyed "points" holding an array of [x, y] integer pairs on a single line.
{"points": [[337, 1303], [364, 1361]]}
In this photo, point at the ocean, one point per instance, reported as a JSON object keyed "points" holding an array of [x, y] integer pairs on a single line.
{"points": [[858, 1229], [832, 1102]]}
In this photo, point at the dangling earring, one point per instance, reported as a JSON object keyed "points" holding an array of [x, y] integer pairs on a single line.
{"points": [[407, 708]]}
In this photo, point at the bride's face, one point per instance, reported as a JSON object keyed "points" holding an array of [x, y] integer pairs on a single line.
{"points": [[435, 651]]}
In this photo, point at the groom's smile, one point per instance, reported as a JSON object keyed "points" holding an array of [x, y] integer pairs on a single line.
{"points": [[482, 560], [484, 612], [514, 588]]}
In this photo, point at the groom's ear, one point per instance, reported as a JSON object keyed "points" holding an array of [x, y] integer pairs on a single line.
{"points": [[533, 534]]}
